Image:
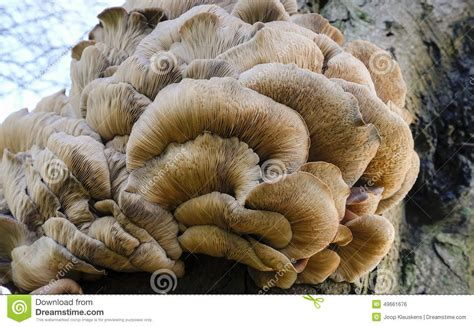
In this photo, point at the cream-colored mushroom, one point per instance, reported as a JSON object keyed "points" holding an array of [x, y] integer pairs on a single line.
{"points": [[384, 70], [208, 163], [324, 106], [85, 158], [225, 108], [48, 260], [372, 238], [319, 267], [226, 212], [307, 204]]}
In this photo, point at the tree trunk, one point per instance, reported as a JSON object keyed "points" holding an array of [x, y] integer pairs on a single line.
{"points": [[433, 251]]}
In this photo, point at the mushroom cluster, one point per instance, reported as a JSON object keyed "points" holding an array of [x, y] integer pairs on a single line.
{"points": [[232, 128]]}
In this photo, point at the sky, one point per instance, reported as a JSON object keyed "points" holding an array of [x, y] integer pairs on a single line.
{"points": [[27, 27]]}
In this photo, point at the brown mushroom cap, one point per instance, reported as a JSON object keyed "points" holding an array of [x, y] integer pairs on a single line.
{"points": [[392, 161], [47, 259], [385, 72], [85, 158], [57, 103], [283, 274], [112, 109], [206, 164], [224, 108], [15, 190], [145, 252], [208, 68], [343, 236], [348, 68], [408, 182], [108, 231], [123, 31], [72, 196], [85, 247], [22, 130], [332, 177], [14, 234], [216, 242], [307, 204], [318, 24], [325, 107], [46, 202], [154, 219], [225, 212], [369, 205], [372, 239], [319, 267], [272, 45], [251, 11], [93, 60]]}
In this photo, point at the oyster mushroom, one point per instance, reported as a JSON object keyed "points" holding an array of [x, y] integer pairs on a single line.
{"points": [[226, 109], [233, 128], [307, 204], [372, 239]]}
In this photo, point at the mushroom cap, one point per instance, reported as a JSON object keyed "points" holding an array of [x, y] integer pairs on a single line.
{"points": [[369, 205], [318, 24], [275, 46], [84, 246], [408, 182], [158, 222], [251, 11], [226, 212], [319, 267], [57, 103], [85, 158], [46, 258], [324, 106], [372, 239], [14, 234], [72, 196], [112, 109], [144, 251], [108, 231], [385, 72], [122, 30], [307, 204], [21, 130], [224, 108], [343, 236], [216, 242], [206, 164], [19, 201], [392, 160], [332, 177], [46, 202], [283, 274]]}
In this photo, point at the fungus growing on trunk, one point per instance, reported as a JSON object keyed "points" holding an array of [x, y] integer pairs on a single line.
{"points": [[232, 128]]}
